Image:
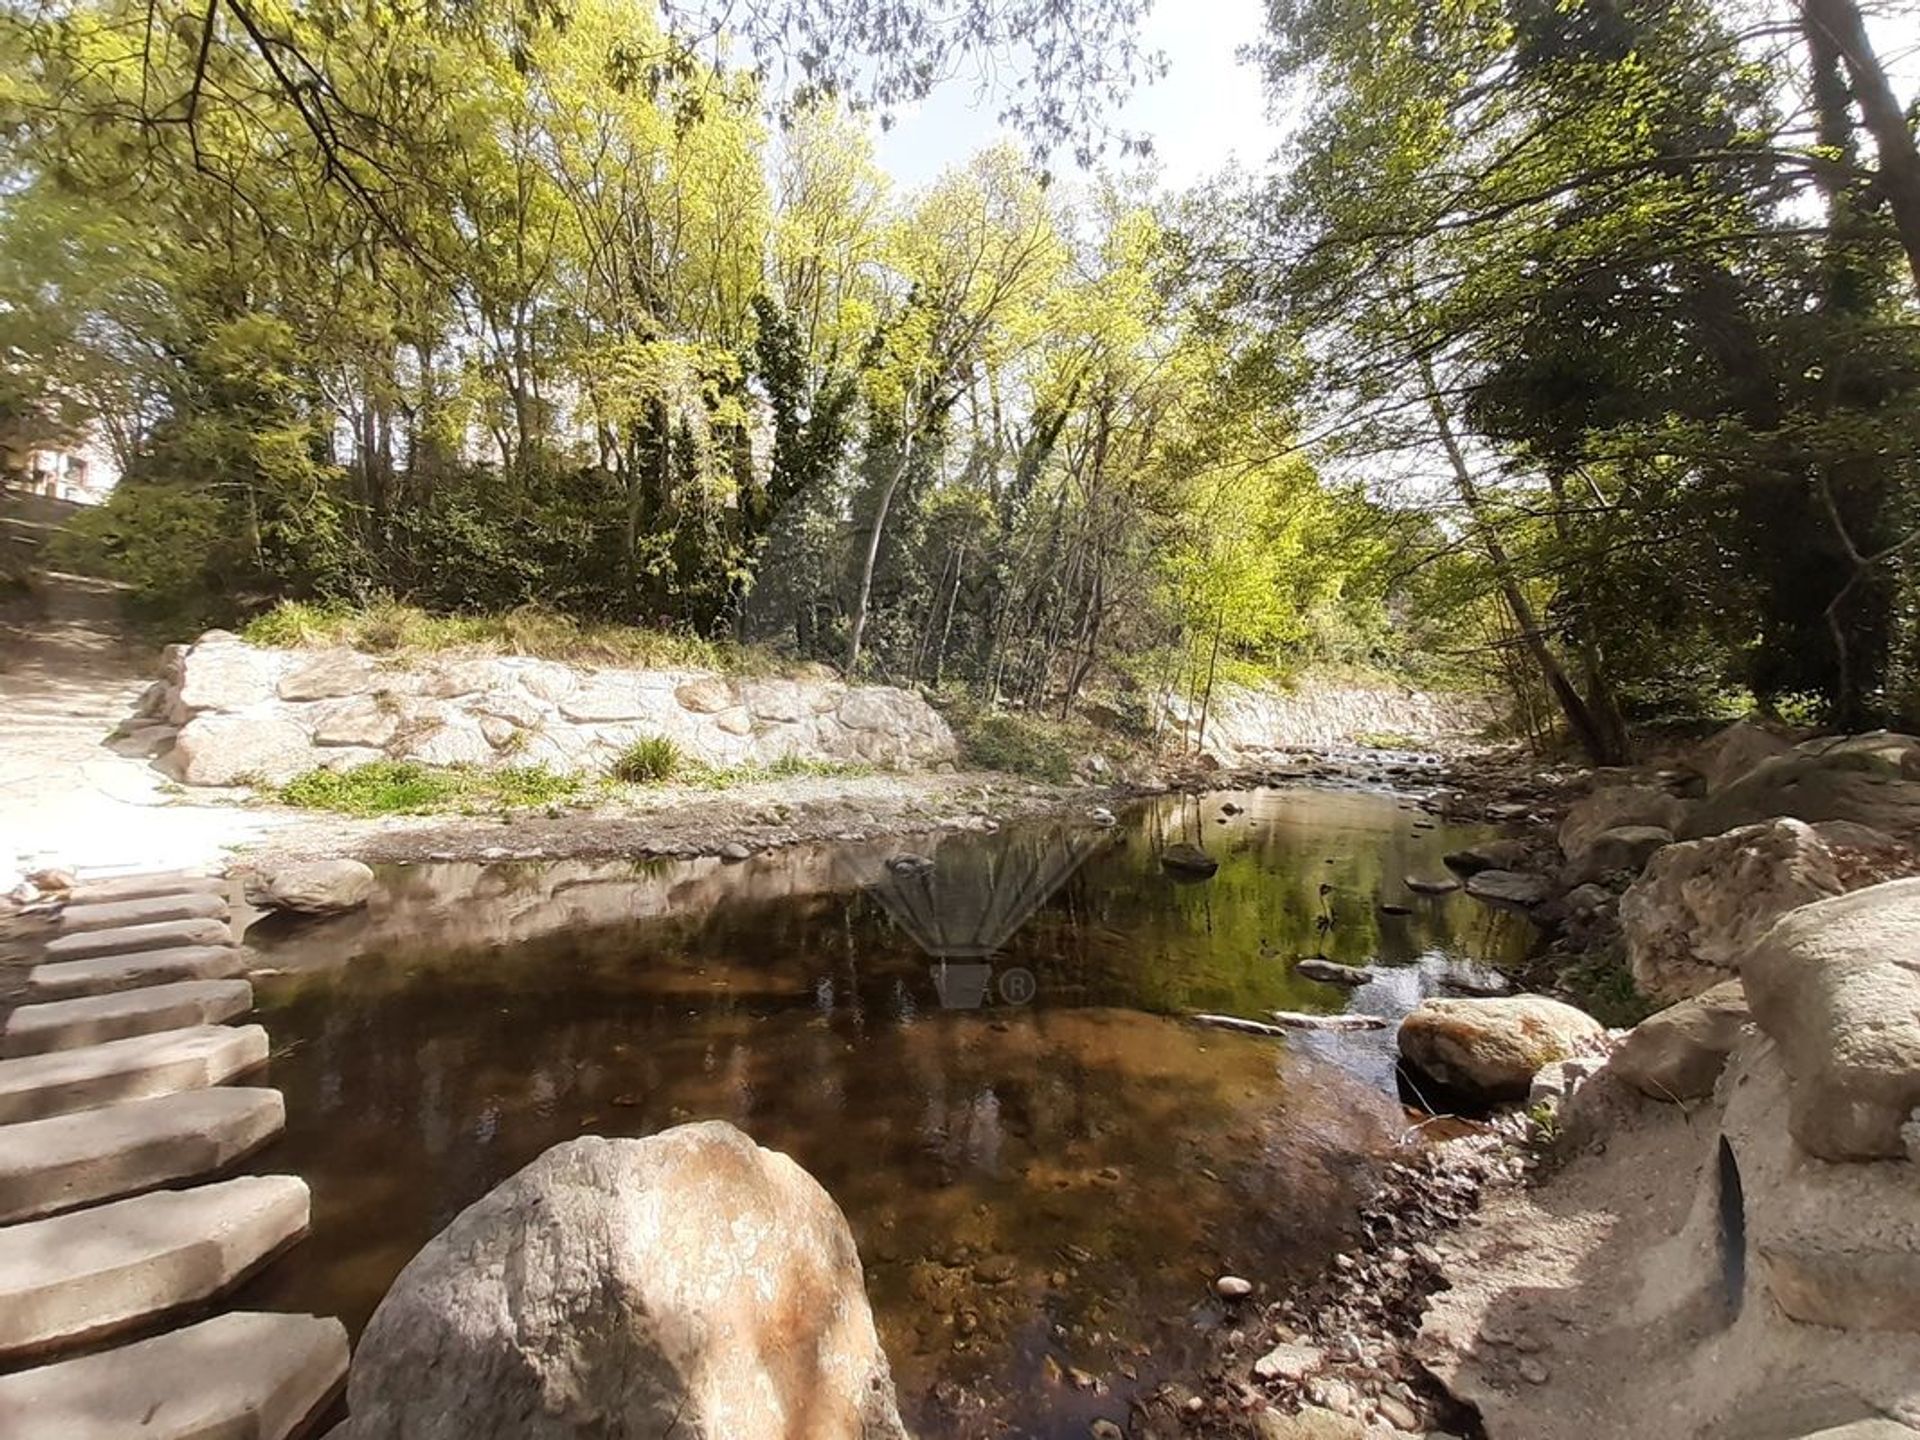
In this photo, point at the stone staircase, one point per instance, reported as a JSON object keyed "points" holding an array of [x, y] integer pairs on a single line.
{"points": [[117, 1123]]}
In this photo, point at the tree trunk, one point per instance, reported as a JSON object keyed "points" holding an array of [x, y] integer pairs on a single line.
{"points": [[1899, 179], [1580, 719], [865, 594]]}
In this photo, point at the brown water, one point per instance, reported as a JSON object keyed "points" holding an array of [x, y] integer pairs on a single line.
{"points": [[1044, 1165]]}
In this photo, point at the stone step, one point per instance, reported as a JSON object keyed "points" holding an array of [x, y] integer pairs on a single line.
{"points": [[77, 919], [67, 1024], [136, 887], [243, 1376], [111, 974], [127, 939], [47, 1166], [76, 1277], [138, 1068]]}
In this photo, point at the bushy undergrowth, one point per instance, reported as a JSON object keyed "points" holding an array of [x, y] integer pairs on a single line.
{"points": [[393, 787], [1602, 985], [391, 628], [1019, 744]]}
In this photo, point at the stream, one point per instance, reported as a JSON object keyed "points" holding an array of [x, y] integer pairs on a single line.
{"points": [[987, 1065]]}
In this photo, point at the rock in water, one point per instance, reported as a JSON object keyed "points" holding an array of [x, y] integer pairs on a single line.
{"points": [[910, 864], [1188, 860], [1427, 885], [1331, 972], [1510, 887], [318, 887], [1492, 1049], [690, 1284]]}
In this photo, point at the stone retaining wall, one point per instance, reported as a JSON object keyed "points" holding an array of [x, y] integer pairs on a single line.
{"points": [[248, 714], [1245, 727]]}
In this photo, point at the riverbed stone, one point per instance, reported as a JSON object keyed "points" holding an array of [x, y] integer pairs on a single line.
{"points": [[1315, 1422], [1611, 808], [131, 939], [34, 1087], [1509, 887], [312, 887], [241, 1376], [1734, 752], [96, 1019], [65, 1161], [116, 914], [1625, 848], [110, 974], [1701, 905], [74, 1277], [1678, 1054], [706, 695], [1867, 779], [108, 889], [602, 698], [240, 750], [326, 676], [1836, 984], [1492, 1048], [690, 1281]]}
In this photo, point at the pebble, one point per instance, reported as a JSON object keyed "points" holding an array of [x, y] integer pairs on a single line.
{"points": [[735, 851], [1106, 1430], [1288, 1362], [1397, 1414], [1532, 1371], [1232, 1287]]}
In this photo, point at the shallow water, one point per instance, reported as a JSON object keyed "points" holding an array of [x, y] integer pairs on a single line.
{"points": [[1044, 1165]]}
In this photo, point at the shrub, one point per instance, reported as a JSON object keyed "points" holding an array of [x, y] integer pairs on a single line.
{"points": [[652, 761], [1019, 745]]}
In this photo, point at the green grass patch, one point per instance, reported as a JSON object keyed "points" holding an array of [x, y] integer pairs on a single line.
{"points": [[788, 767], [394, 787], [652, 761], [389, 628]]}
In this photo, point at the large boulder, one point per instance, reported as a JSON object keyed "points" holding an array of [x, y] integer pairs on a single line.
{"points": [[1835, 1245], [222, 674], [1872, 780], [216, 749], [315, 887], [1701, 905], [689, 1284], [1610, 809], [1492, 1048], [1735, 751], [327, 676], [1837, 986], [1679, 1053], [1625, 848]]}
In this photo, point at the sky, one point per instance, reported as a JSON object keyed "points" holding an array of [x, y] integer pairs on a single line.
{"points": [[1210, 107], [1207, 108]]}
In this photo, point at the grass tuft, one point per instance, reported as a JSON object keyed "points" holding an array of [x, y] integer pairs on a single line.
{"points": [[395, 787], [652, 761]]}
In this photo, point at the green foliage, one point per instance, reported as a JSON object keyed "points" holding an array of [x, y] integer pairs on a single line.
{"points": [[1018, 744], [787, 767], [387, 627], [1601, 984], [170, 545], [651, 761], [391, 787]]}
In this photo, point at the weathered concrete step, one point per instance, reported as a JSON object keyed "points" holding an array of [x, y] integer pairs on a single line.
{"points": [[78, 919], [244, 1376], [138, 1068], [111, 974], [127, 939], [78, 1276], [96, 1019], [135, 887], [47, 1166]]}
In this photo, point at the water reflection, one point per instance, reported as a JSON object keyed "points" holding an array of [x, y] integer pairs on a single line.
{"points": [[1037, 1181]]}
